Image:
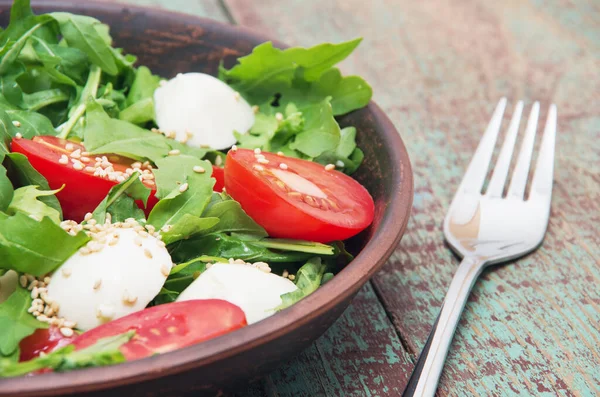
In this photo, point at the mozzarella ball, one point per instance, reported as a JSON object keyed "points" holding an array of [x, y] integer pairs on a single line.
{"points": [[121, 278], [8, 284], [201, 110], [256, 292]]}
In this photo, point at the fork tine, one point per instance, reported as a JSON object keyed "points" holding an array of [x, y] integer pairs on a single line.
{"points": [[496, 186], [475, 176], [519, 178], [544, 168]]}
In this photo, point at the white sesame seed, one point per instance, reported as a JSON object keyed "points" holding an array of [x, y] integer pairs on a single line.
{"points": [[97, 284], [70, 324], [236, 96], [76, 154], [218, 161], [36, 313], [285, 274], [255, 109], [234, 148], [263, 161], [330, 167], [78, 166], [278, 116], [18, 135], [183, 187], [283, 166], [257, 151], [23, 281], [68, 332], [258, 167], [147, 253], [291, 277], [280, 153], [35, 293], [164, 269], [174, 152], [63, 159], [166, 228], [339, 164], [16, 123], [42, 317], [70, 147], [105, 312]]}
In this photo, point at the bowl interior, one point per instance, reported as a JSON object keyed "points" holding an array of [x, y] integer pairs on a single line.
{"points": [[170, 43]]}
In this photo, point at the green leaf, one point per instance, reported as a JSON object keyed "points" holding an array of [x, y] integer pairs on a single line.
{"points": [[308, 280], [105, 135], [21, 173], [81, 32], [347, 93], [41, 99], [321, 132], [6, 189], [106, 351], [172, 173], [29, 246], [15, 322], [188, 225], [10, 88], [120, 201], [26, 201], [232, 218], [296, 245], [15, 37], [143, 86], [139, 113], [7, 133], [32, 123]]}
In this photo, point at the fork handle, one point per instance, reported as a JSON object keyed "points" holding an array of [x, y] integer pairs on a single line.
{"points": [[426, 374]]}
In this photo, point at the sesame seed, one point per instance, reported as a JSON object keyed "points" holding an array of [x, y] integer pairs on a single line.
{"points": [[329, 167], [263, 161], [68, 332], [85, 159], [174, 152], [97, 284], [218, 161], [183, 187], [42, 317], [280, 153], [236, 96], [70, 324], [16, 123], [285, 274], [147, 253], [78, 166], [105, 312], [91, 170], [34, 293], [70, 147], [76, 154], [257, 151], [278, 116], [291, 277], [166, 228], [258, 167], [36, 313], [204, 145], [283, 166], [234, 148], [88, 216], [63, 159], [18, 135], [255, 109], [339, 164], [23, 281], [164, 269]]}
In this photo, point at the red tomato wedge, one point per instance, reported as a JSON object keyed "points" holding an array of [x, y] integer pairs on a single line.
{"points": [[299, 199], [219, 174], [43, 341], [83, 190], [167, 327]]}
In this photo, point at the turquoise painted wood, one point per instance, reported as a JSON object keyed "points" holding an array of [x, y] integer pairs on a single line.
{"points": [[437, 69]]}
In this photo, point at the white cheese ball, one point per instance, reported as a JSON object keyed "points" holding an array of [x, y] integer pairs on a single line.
{"points": [[201, 110], [118, 280], [257, 293], [8, 284]]}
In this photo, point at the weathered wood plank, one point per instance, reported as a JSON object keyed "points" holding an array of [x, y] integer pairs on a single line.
{"points": [[205, 8], [438, 69]]}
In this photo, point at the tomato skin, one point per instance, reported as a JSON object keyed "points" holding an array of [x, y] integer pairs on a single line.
{"points": [[167, 327], [43, 341], [254, 186], [219, 174], [83, 191]]}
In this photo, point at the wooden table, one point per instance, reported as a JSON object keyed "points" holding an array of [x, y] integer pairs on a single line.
{"points": [[530, 328]]}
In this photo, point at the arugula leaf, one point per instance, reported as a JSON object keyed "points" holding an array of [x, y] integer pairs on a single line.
{"points": [[32, 123], [105, 351], [321, 132], [6, 190], [10, 88], [82, 32], [15, 322], [14, 38], [120, 201], [296, 245], [65, 65], [29, 246], [308, 280], [346, 156], [188, 225], [171, 208], [21, 174], [232, 218], [41, 99], [143, 86], [7, 132], [26, 201], [105, 135], [139, 113]]}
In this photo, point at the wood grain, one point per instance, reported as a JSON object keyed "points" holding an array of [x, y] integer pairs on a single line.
{"points": [[438, 68]]}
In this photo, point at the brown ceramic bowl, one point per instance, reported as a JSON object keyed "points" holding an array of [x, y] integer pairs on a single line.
{"points": [[170, 43]]}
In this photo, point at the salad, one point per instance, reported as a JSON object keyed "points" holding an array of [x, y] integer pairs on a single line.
{"points": [[140, 214]]}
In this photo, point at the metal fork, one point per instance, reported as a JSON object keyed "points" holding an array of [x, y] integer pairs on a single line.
{"points": [[489, 228]]}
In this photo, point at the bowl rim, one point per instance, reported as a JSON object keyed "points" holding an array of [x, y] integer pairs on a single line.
{"points": [[355, 275]]}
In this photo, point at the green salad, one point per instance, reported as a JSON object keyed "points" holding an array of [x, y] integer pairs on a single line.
{"points": [[140, 214]]}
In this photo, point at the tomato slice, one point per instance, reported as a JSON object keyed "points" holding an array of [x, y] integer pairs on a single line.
{"points": [[294, 198], [43, 341], [83, 189], [219, 174], [167, 327]]}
